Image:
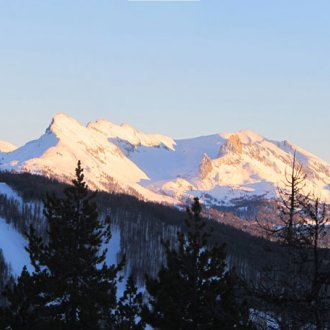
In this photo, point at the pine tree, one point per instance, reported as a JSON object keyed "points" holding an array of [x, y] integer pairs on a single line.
{"points": [[129, 308], [23, 311], [194, 290], [71, 286]]}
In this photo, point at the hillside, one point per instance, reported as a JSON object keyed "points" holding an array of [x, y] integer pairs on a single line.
{"points": [[137, 226]]}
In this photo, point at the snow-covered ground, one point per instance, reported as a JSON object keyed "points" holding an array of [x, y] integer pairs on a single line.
{"points": [[13, 246], [10, 193]]}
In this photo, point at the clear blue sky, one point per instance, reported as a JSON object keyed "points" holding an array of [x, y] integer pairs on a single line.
{"points": [[179, 68]]}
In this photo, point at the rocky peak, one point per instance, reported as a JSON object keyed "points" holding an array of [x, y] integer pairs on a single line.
{"points": [[233, 145], [205, 166]]}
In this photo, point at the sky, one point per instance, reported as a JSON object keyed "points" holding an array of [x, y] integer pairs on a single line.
{"points": [[180, 68]]}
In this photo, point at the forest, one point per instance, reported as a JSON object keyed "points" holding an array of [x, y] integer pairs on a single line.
{"points": [[174, 269]]}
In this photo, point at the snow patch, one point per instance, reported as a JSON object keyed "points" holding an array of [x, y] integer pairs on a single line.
{"points": [[10, 193], [13, 246]]}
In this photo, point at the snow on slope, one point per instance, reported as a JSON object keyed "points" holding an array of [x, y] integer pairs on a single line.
{"points": [[127, 133], [166, 164], [13, 245], [227, 166], [55, 154], [158, 168], [10, 193], [6, 146]]}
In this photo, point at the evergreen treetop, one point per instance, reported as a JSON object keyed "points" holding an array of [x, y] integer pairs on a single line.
{"points": [[71, 287]]}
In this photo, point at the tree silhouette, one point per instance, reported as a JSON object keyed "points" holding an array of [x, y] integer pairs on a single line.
{"points": [[194, 290], [296, 290], [129, 308], [71, 287]]}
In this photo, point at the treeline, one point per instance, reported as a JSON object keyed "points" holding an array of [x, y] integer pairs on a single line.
{"points": [[279, 283], [295, 293], [22, 215], [142, 226], [72, 286], [6, 277]]}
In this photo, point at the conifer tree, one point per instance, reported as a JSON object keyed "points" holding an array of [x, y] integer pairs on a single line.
{"points": [[129, 308], [23, 311], [71, 286], [194, 290]]}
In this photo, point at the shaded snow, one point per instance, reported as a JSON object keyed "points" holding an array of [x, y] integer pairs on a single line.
{"points": [[33, 149], [13, 245], [113, 246], [184, 161], [6, 190], [130, 134]]}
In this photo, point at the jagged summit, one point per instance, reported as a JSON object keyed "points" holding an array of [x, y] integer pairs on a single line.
{"points": [[62, 125], [155, 167], [233, 144], [205, 166], [245, 136]]}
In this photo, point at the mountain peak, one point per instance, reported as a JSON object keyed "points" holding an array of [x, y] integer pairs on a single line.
{"points": [[245, 136], [128, 127], [61, 116], [159, 168], [61, 122], [205, 166], [6, 146], [234, 143]]}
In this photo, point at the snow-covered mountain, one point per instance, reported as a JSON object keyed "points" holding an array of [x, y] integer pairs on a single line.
{"points": [[218, 168], [6, 146]]}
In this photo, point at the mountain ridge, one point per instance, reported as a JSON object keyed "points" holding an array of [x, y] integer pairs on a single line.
{"points": [[218, 168]]}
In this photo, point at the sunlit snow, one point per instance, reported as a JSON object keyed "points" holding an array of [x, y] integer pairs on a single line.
{"points": [[158, 168]]}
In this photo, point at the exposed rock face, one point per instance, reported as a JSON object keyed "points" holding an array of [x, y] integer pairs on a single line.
{"points": [[205, 167], [233, 145]]}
